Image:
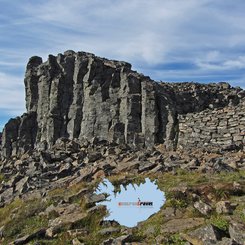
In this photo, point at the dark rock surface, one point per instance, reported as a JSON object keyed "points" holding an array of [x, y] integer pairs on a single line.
{"points": [[88, 98], [89, 118], [70, 200]]}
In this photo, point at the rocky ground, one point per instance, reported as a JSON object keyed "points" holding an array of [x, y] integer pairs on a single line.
{"points": [[46, 196]]}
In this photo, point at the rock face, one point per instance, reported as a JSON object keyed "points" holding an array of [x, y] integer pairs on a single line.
{"points": [[220, 127], [84, 97]]}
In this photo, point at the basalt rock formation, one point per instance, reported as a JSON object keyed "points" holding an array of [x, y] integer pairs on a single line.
{"points": [[84, 97], [89, 118]]}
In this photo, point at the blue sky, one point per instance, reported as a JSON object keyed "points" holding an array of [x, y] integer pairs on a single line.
{"points": [[130, 215], [192, 40]]}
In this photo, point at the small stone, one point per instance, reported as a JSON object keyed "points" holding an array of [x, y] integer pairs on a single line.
{"points": [[108, 231], [75, 241], [92, 157], [146, 166], [51, 232], [178, 225], [97, 208], [65, 170], [207, 234], [225, 207], [202, 207], [227, 241], [94, 198], [118, 241], [25, 239], [77, 195], [66, 220], [22, 185], [236, 231], [1, 232]]}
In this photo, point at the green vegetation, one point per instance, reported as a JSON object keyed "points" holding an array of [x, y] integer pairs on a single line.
{"points": [[220, 222], [8, 210], [2, 178], [20, 218], [150, 228], [176, 200], [175, 240]]}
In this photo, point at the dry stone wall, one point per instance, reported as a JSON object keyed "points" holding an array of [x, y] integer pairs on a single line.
{"points": [[223, 128]]}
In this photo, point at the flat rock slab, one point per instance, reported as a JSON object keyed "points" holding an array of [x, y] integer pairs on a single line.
{"points": [[146, 166], [128, 166], [67, 220], [77, 195], [65, 209], [118, 241], [93, 198], [177, 225], [237, 232], [28, 238], [109, 231], [208, 234]]}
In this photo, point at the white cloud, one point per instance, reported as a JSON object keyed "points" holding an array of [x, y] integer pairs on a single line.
{"points": [[132, 30], [208, 34], [214, 63], [12, 100]]}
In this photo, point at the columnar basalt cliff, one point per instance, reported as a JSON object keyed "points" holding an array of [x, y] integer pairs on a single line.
{"points": [[88, 119], [84, 97]]}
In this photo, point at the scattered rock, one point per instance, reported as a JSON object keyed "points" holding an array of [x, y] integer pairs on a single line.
{"points": [[76, 242], [236, 231], [227, 241], [202, 207], [109, 223], [1, 232], [207, 234], [109, 230], [170, 213], [78, 232], [225, 207], [97, 208], [113, 121], [117, 241], [65, 170], [7, 195], [91, 199], [146, 166], [92, 157], [22, 185], [77, 195], [66, 220], [28, 238], [178, 225], [127, 166]]}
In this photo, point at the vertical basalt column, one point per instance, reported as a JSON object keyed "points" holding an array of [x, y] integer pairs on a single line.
{"points": [[10, 138], [88, 110], [149, 119], [49, 78], [75, 114], [167, 117], [65, 93], [27, 133], [31, 83], [133, 121]]}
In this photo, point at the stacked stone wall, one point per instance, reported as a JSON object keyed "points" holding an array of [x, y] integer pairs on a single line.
{"points": [[219, 127]]}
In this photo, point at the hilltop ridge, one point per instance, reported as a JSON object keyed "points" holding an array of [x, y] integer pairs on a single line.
{"points": [[89, 118], [82, 96]]}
